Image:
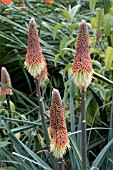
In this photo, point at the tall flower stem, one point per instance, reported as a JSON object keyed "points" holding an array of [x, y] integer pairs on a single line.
{"points": [[61, 164], [10, 116], [8, 108], [38, 93], [41, 108], [84, 151]]}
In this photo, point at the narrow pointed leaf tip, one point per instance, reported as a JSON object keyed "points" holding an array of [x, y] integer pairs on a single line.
{"points": [[5, 78], [57, 130], [82, 66], [35, 61]]}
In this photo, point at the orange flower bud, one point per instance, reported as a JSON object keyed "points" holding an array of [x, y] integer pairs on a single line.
{"points": [[34, 61], [43, 75], [57, 130], [49, 1], [7, 1], [5, 78], [82, 66]]}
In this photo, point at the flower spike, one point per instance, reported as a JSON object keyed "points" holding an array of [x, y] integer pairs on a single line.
{"points": [[57, 130], [7, 1], [49, 1], [82, 66], [34, 61], [5, 78], [43, 75]]}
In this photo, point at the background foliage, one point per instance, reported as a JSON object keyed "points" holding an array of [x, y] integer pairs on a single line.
{"points": [[58, 29]]}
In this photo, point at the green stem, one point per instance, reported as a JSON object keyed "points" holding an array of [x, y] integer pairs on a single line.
{"points": [[61, 164], [84, 152]]}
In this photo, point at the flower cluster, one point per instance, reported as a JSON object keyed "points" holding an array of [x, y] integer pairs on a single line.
{"points": [[49, 1], [5, 78], [82, 66], [7, 1], [35, 61], [57, 130]]}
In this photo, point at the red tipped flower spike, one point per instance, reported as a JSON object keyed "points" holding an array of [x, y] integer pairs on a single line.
{"points": [[7, 1], [43, 75], [49, 1], [58, 131], [82, 66], [34, 61], [5, 78]]}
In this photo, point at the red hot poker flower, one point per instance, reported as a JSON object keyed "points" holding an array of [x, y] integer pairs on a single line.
{"points": [[49, 1], [34, 61], [43, 75], [82, 66], [5, 78], [7, 1], [58, 131]]}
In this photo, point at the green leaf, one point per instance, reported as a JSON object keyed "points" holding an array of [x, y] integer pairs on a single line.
{"points": [[102, 155], [67, 14], [67, 68], [21, 128], [98, 87], [106, 5], [9, 168], [57, 27], [76, 150], [4, 144], [20, 94], [111, 37], [24, 157], [19, 145], [73, 26], [94, 22], [108, 20], [63, 42], [56, 58], [18, 163], [92, 4], [24, 150], [111, 11], [97, 64], [94, 50], [108, 58], [74, 11], [46, 25], [102, 110], [99, 17], [13, 23], [102, 78], [97, 21]]}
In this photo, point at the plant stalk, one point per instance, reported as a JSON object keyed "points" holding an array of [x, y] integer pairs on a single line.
{"points": [[42, 111], [8, 109], [40, 102], [9, 116], [84, 151], [61, 164]]}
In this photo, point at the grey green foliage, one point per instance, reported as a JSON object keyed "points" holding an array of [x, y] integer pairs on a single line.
{"points": [[58, 29]]}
